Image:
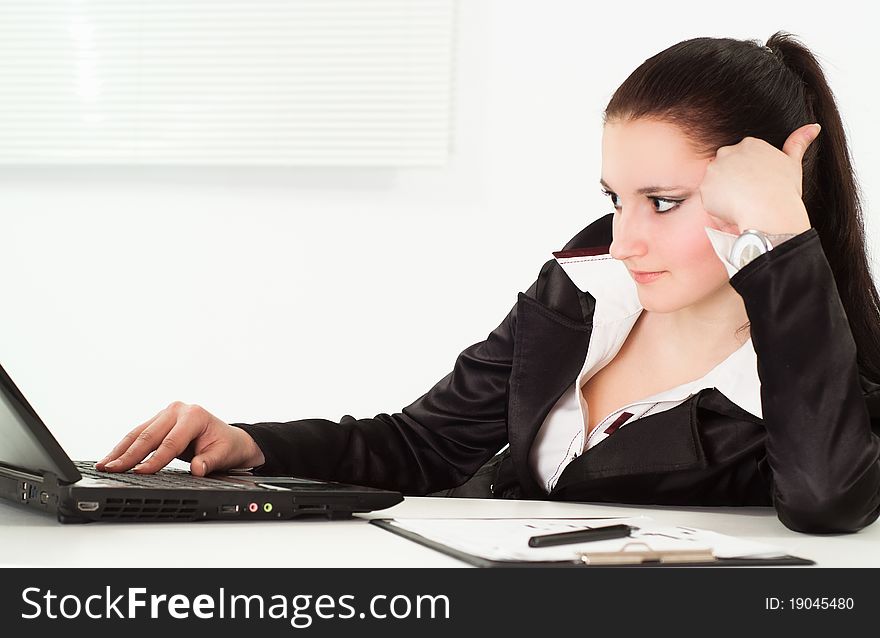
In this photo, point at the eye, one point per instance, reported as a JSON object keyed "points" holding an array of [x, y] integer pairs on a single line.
{"points": [[608, 193], [660, 201]]}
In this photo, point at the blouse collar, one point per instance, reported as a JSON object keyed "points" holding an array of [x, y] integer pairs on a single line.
{"points": [[594, 271]]}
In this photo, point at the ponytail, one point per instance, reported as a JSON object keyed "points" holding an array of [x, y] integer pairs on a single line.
{"points": [[831, 196]]}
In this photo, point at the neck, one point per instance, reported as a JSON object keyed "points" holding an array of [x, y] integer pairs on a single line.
{"points": [[706, 328]]}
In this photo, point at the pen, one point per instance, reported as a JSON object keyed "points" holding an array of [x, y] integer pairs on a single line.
{"points": [[581, 535]]}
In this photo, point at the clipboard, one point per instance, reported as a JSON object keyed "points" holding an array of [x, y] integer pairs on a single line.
{"points": [[635, 555]]}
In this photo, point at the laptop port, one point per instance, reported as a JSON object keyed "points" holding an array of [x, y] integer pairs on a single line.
{"points": [[228, 509], [87, 506]]}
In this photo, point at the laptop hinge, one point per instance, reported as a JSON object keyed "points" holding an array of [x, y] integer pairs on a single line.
{"points": [[47, 478], [21, 474]]}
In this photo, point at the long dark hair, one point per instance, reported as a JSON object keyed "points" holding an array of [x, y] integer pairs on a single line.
{"points": [[720, 90]]}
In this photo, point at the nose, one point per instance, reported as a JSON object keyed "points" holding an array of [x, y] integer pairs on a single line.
{"points": [[630, 236]]}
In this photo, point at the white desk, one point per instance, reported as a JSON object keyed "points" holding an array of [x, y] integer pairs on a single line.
{"points": [[29, 539]]}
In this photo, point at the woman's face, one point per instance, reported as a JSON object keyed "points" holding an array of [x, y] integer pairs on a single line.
{"points": [[659, 221]]}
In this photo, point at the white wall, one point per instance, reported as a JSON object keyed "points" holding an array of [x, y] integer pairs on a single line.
{"points": [[288, 294]]}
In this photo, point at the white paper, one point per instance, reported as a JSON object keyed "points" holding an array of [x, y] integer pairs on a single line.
{"points": [[507, 539]]}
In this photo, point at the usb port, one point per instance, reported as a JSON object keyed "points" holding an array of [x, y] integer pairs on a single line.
{"points": [[87, 506], [228, 509]]}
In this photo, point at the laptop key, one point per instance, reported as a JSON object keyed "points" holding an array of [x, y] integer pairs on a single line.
{"points": [[166, 478]]}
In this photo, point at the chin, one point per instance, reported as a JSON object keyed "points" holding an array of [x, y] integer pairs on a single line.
{"points": [[660, 306]]}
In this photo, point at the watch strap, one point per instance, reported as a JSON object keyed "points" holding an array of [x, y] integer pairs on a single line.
{"points": [[753, 243], [775, 240]]}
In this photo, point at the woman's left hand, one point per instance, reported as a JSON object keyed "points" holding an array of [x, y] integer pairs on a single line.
{"points": [[753, 184]]}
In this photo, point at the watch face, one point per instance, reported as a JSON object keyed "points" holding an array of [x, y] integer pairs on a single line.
{"points": [[747, 246], [748, 253]]}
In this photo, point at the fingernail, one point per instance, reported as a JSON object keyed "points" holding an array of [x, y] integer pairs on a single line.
{"points": [[818, 127], [138, 466], [112, 463]]}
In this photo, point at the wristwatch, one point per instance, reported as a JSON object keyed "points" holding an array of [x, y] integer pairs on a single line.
{"points": [[752, 243]]}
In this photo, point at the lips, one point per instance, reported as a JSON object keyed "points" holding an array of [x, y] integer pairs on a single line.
{"points": [[643, 277]]}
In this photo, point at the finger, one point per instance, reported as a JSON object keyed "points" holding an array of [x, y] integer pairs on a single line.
{"points": [[126, 442], [799, 141], [190, 425], [144, 443], [208, 460]]}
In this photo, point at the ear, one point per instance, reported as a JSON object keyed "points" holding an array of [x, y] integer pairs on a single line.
{"points": [[799, 141]]}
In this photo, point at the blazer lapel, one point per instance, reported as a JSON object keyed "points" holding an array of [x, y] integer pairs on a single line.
{"points": [[549, 351], [550, 346], [667, 441]]}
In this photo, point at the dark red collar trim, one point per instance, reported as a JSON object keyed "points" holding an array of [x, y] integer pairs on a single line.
{"points": [[582, 252]]}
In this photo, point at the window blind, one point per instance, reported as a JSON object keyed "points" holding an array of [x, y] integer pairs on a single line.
{"points": [[226, 82]]}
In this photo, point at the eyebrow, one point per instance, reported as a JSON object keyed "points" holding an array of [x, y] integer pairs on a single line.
{"points": [[648, 189]]}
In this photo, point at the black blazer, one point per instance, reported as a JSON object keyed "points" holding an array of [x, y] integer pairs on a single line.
{"points": [[813, 456]]}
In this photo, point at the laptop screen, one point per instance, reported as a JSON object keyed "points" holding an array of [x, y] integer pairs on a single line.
{"points": [[25, 442], [18, 445]]}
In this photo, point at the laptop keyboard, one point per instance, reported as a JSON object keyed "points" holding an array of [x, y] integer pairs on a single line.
{"points": [[167, 478]]}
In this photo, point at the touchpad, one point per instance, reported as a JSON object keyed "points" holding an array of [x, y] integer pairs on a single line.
{"points": [[291, 483]]}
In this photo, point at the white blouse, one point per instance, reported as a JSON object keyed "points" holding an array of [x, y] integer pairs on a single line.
{"points": [[560, 439]]}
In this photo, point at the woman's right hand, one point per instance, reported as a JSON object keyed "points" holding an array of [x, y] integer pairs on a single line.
{"points": [[187, 432]]}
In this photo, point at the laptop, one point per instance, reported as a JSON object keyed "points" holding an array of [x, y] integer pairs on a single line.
{"points": [[36, 472]]}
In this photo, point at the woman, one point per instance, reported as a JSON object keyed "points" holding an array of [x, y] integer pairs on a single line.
{"points": [[666, 355]]}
